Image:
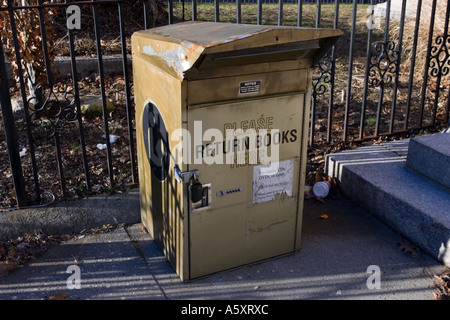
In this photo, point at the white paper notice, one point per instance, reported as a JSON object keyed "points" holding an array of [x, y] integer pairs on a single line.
{"points": [[271, 180]]}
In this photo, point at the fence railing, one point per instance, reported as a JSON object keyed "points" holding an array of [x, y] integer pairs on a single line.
{"points": [[285, 1], [388, 74]]}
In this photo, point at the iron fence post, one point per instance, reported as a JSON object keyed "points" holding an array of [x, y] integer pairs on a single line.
{"points": [[350, 72], [103, 94], [11, 135]]}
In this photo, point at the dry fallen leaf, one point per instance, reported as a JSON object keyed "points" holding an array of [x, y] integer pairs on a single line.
{"points": [[56, 296], [442, 285], [320, 199], [319, 175], [5, 267], [408, 247], [333, 183]]}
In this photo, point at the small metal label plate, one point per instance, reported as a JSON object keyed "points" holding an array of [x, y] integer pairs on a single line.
{"points": [[250, 87]]}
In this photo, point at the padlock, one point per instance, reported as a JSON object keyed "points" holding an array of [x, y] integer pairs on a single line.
{"points": [[196, 191]]}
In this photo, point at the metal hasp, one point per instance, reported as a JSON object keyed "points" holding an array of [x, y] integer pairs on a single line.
{"points": [[224, 109], [185, 177]]}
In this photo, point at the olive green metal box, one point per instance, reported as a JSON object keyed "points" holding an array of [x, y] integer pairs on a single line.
{"points": [[222, 116]]}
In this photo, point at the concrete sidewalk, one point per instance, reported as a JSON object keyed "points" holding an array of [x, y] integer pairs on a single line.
{"points": [[339, 257]]}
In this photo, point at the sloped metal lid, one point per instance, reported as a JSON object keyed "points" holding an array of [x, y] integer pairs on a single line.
{"points": [[181, 45]]}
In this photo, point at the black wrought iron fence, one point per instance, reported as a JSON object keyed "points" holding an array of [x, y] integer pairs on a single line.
{"points": [[388, 74]]}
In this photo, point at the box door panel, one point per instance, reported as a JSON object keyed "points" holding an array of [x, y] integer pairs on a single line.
{"points": [[250, 212]]}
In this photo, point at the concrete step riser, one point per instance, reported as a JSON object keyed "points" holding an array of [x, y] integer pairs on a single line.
{"points": [[430, 157]]}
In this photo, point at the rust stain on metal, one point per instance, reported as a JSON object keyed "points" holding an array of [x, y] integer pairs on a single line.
{"points": [[193, 48], [221, 27]]}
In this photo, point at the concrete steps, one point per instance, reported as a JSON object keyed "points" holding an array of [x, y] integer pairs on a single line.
{"points": [[429, 155], [404, 184]]}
